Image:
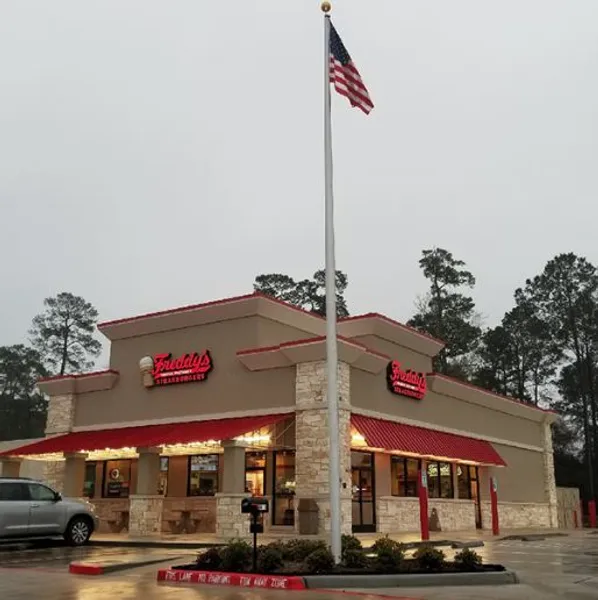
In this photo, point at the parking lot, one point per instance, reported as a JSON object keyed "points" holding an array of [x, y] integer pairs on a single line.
{"points": [[557, 567]]}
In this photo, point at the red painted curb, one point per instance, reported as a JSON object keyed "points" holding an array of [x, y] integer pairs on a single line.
{"points": [[85, 569], [275, 582]]}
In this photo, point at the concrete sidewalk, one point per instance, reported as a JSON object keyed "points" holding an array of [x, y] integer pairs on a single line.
{"points": [[367, 539]]}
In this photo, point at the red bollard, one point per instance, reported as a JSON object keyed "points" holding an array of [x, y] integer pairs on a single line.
{"points": [[494, 506], [575, 521], [581, 513], [422, 492], [592, 511]]}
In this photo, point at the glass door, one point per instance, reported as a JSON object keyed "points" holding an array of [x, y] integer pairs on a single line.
{"points": [[283, 497], [255, 473], [363, 504]]}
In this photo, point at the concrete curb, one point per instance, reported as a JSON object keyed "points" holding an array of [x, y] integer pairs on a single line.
{"points": [[105, 567], [153, 544], [246, 580], [336, 582], [472, 544]]}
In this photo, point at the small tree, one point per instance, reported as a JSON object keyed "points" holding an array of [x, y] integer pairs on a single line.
{"points": [[446, 313], [63, 334]]}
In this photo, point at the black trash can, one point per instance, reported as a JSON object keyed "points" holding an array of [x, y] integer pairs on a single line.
{"points": [[308, 516]]}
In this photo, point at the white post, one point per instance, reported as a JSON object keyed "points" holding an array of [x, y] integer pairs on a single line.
{"points": [[331, 341]]}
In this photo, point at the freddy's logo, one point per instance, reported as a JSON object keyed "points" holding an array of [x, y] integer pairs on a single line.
{"points": [[406, 383], [188, 367]]}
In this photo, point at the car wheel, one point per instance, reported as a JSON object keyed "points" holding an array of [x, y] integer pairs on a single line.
{"points": [[78, 531]]}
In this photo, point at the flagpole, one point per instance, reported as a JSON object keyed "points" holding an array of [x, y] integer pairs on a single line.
{"points": [[331, 339]]}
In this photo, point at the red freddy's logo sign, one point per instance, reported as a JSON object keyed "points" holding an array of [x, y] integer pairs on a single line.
{"points": [[406, 383], [188, 367]]}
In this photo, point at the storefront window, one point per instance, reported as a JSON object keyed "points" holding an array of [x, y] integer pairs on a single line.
{"points": [[89, 485], [440, 480], [466, 478], [255, 471], [203, 475], [117, 478], [404, 476], [163, 478], [284, 488]]}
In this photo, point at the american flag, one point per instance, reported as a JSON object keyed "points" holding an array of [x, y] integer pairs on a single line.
{"points": [[345, 76]]}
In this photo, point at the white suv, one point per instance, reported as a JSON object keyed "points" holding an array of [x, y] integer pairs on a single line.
{"points": [[30, 509]]}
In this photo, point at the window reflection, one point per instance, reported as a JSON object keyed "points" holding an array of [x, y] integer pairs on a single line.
{"points": [[404, 476], [440, 480]]}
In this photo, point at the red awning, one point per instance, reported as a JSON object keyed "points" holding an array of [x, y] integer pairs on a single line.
{"points": [[424, 442], [148, 435]]}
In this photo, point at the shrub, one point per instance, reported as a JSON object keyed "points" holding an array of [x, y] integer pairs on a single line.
{"points": [[429, 558], [389, 554], [320, 561], [299, 550], [236, 556], [269, 559], [350, 542], [468, 560], [354, 559], [210, 560]]}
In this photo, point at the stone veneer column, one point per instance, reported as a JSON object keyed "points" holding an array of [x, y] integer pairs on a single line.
{"points": [[230, 522], [549, 479], [312, 441], [145, 507], [61, 414], [60, 419]]}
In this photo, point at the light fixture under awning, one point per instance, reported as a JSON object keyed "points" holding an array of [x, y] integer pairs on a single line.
{"points": [[399, 437]]}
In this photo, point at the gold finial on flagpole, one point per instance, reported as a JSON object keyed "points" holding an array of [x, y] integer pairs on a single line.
{"points": [[326, 6]]}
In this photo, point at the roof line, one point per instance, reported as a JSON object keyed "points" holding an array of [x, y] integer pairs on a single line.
{"points": [[312, 340], [77, 375], [491, 393], [190, 307], [375, 315]]}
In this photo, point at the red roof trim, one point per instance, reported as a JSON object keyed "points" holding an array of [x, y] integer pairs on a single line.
{"points": [[191, 307], [411, 439], [180, 309], [484, 390], [375, 315], [308, 341], [77, 375]]}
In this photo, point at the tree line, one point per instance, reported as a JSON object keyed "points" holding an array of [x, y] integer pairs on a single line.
{"points": [[543, 352], [61, 340]]}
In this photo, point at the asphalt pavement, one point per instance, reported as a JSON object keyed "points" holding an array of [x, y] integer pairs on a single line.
{"points": [[565, 567]]}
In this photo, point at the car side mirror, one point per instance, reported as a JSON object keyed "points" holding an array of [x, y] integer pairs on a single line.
{"points": [[57, 497]]}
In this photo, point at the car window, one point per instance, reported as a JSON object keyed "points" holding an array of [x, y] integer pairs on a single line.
{"points": [[13, 491], [41, 493]]}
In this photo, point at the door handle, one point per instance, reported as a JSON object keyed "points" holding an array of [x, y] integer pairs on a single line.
{"points": [[35, 506]]}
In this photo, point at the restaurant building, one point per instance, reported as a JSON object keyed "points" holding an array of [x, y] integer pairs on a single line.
{"points": [[203, 405]]}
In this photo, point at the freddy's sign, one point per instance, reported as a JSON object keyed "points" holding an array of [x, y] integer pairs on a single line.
{"points": [[406, 383], [185, 368]]}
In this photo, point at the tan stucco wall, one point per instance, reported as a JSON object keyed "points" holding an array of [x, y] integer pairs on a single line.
{"points": [[272, 333], [523, 479], [409, 358], [370, 392], [230, 386]]}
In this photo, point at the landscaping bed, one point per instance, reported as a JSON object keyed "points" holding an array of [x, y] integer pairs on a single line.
{"points": [[312, 557]]}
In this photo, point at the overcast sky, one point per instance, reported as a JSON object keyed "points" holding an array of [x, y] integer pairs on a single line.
{"points": [[160, 153]]}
